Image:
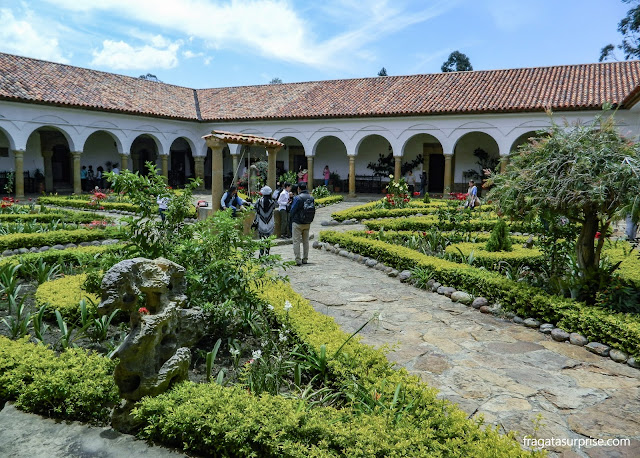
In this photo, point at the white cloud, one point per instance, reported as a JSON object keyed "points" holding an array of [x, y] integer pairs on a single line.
{"points": [[29, 37], [122, 56], [188, 54], [272, 28], [511, 16]]}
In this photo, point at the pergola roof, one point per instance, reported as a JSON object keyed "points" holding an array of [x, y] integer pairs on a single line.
{"points": [[244, 139]]}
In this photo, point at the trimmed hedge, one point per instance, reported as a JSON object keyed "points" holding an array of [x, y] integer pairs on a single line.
{"points": [[87, 204], [398, 236], [329, 200], [630, 267], [520, 255], [424, 223], [69, 217], [61, 237], [619, 330], [64, 294], [76, 385], [213, 420]]}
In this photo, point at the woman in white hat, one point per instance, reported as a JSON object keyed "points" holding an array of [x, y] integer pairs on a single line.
{"points": [[264, 216]]}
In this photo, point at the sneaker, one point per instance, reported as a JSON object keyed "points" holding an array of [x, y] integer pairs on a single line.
{"points": [[304, 261], [298, 263]]}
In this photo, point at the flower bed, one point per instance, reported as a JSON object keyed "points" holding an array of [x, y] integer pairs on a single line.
{"points": [[424, 223], [61, 215], [87, 203], [519, 255], [619, 330]]}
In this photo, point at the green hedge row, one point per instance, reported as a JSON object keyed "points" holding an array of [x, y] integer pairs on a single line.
{"points": [[218, 421], [424, 223], [630, 263], [64, 294], [86, 203], [75, 386], [619, 330], [81, 256], [519, 255], [372, 213], [329, 200], [68, 217], [399, 236], [38, 239]]}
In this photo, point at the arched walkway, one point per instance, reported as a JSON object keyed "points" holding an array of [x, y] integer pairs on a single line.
{"points": [[428, 148], [521, 140], [473, 152], [143, 149], [181, 163], [48, 152], [332, 151], [7, 160], [100, 151], [292, 156], [373, 149]]}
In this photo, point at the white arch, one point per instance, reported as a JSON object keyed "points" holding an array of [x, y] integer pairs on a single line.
{"points": [[189, 141], [116, 138], [70, 140], [407, 135], [157, 141], [342, 138], [360, 135], [10, 138]]}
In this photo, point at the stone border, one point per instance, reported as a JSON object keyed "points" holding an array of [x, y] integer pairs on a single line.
{"points": [[44, 248], [481, 304]]}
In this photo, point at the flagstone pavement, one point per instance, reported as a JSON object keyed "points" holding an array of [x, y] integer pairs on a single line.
{"points": [[488, 366]]}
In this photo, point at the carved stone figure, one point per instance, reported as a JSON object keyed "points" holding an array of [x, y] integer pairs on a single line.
{"points": [[156, 352]]}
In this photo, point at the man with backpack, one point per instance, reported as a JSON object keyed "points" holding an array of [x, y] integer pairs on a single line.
{"points": [[303, 210]]}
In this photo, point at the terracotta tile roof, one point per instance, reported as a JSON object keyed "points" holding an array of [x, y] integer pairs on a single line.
{"points": [[33, 80], [245, 139], [571, 87]]}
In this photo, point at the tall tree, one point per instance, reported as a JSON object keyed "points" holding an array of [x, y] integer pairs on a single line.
{"points": [[629, 27], [275, 80], [589, 174], [150, 77], [383, 72], [457, 62]]}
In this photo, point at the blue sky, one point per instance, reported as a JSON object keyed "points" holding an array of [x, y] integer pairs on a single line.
{"points": [[215, 43]]}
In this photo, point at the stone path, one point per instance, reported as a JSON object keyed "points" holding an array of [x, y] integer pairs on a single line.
{"points": [[506, 372]]}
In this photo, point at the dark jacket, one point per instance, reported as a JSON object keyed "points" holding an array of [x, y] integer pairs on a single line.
{"points": [[298, 206]]}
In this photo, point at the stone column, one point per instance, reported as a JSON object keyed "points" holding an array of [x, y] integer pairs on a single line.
{"points": [[235, 158], [503, 163], [77, 184], [397, 173], [216, 146], [48, 171], [18, 179], [198, 162], [352, 176], [271, 170], [124, 159], [164, 159], [310, 173], [447, 173]]}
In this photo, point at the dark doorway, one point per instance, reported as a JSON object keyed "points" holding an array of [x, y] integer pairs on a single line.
{"points": [[299, 161], [61, 166], [436, 173]]}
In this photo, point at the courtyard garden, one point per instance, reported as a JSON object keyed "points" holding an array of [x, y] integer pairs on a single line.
{"points": [[266, 374]]}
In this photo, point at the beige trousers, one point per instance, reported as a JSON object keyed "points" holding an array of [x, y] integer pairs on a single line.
{"points": [[301, 234]]}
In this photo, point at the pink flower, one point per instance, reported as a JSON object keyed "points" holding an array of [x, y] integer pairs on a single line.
{"points": [[143, 311]]}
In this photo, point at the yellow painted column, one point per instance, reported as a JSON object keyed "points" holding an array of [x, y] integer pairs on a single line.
{"points": [[164, 160], [124, 161], [77, 184], [18, 179], [271, 170], [352, 176], [310, 173], [48, 171], [216, 146], [503, 164], [135, 163], [397, 173], [447, 173], [198, 162]]}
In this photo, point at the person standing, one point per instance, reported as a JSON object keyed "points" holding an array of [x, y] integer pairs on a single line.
{"points": [[91, 177], [99, 177], [326, 174], [472, 195], [423, 183], [292, 194], [83, 177], [411, 182], [265, 217], [631, 227], [302, 214], [163, 205], [283, 201]]}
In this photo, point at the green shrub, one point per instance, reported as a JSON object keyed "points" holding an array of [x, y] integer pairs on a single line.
{"points": [[324, 201], [499, 240], [64, 294], [518, 255], [320, 192], [87, 203], [62, 237], [621, 331], [424, 223], [69, 217], [73, 386]]}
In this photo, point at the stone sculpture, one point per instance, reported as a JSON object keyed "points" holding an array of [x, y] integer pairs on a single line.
{"points": [[155, 354]]}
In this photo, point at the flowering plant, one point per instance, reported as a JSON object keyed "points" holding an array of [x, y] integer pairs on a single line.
{"points": [[397, 194], [459, 195]]}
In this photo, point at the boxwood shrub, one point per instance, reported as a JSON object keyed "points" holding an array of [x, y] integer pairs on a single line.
{"points": [[64, 294], [86, 203], [619, 330], [519, 255], [69, 217], [73, 386], [219, 421], [424, 223], [61, 237], [329, 200]]}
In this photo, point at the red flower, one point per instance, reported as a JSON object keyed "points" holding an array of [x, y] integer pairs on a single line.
{"points": [[598, 234], [143, 311], [415, 194]]}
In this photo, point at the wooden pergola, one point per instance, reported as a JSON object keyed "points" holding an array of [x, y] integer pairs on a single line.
{"points": [[218, 139]]}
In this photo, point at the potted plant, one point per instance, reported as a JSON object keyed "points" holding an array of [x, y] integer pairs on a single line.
{"points": [[335, 179]]}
